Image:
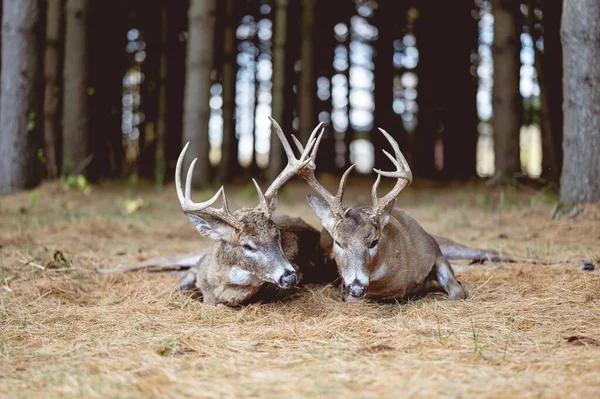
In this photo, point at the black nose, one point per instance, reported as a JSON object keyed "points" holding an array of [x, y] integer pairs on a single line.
{"points": [[288, 278], [356, 289]]}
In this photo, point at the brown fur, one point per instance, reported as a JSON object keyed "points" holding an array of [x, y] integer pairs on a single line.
{"points": [[211, 277], [411, 257]]}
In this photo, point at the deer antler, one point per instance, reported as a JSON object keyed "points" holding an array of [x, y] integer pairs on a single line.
{"points": [[268, 200], [402, 173], [189, 206], [308, 174]]}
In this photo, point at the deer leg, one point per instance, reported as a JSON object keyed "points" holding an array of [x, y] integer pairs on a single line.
{"points": [[445, 276]]}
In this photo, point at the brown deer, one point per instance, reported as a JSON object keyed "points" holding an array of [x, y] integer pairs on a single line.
{"points": [[381, 252], [255, 256]]}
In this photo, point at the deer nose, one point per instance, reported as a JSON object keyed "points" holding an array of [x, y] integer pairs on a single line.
{"points": [[288, 278], [357, 289]]}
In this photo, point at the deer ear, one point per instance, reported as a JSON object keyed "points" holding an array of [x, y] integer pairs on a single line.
{"points": [[323, 211], [386, 214], [212, 227]]}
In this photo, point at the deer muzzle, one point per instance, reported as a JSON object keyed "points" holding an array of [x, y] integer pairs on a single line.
{"points": [[287, 279], [354, 290]]}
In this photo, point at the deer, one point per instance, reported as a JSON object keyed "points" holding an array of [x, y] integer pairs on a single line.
{"points": [[255, 256], [381, 252]]}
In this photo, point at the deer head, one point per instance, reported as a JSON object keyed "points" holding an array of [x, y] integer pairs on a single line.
{"points": [[357, 232], [248, 238]]}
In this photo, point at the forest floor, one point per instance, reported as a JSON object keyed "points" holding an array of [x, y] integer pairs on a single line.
{"points": [[527, 330]]}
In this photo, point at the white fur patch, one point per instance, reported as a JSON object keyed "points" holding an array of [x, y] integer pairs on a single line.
{"points": [[379, 273], [373, 251], [242, 277]]}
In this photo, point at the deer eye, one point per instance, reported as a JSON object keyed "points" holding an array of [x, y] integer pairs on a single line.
{"points": [[248, 247], [374, 244]]}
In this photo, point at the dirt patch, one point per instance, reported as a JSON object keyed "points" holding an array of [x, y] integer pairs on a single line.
{"points": [[526, 330]]}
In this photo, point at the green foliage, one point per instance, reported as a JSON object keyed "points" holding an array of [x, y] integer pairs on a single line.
{"points": [[41, 156], [78, 182], [30, 121], [33, 197]]}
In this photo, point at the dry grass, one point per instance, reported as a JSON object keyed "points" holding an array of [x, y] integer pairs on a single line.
{"points": [[68, 333]]}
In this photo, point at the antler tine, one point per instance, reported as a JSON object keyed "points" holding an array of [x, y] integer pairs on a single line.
{"points": [[308, 174], [341, 189], [189, 206], [313, 155], [294, 164], [402, 173]]}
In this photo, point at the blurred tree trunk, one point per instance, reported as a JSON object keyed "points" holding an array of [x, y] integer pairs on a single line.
{"points": [[349, 133], [75, 113], [325, 22], [160, 164], [385, 17], [52, 91], [580, 30], [148, 21], [427, 70], [308, 84], [506, 97], [458, 90], [21, 102], [200, 47], [276, 155], [176, 65], [229, 165], [106, 83], [549, 68]]}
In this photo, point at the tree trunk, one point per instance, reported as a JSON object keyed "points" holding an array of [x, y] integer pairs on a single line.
{"points": [[458, 90], [160, 164], [550, 77], [385, 118], [21, 103], [427, 70], [200, 47], [276, 156], [75, 114], [307, 74], [106, 81], [506, 97], [229, 147], [580, 181], [52, 92], [324, 55]]}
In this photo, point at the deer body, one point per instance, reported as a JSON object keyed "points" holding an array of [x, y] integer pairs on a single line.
{"points": [[381, 253], [406, 262], [221, 277], [252, 251]]}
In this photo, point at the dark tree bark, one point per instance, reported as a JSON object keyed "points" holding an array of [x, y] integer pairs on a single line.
{"points": [[75, 114], [106, 81], [459, 90], [176, 63], [447, 91], [385, 18], [21, 102], [229, 155], [580, 31], [325, 22], [276, 155], [428, 74], [548, 64], [306, 92], [160, 164], [148, 20], [506, 97], [52, 93], [200, 48]]}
